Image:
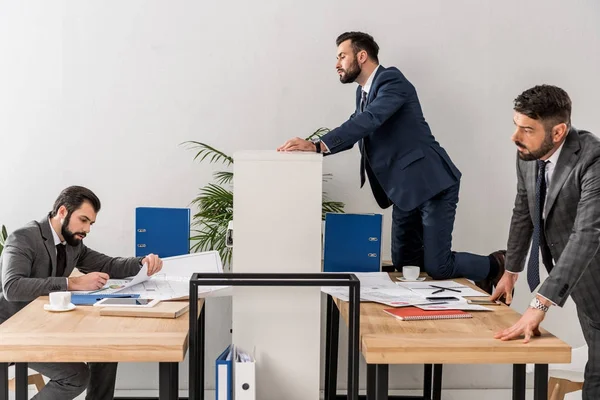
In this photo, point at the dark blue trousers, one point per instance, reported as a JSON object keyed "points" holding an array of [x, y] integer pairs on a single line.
{"points": [[423, 237]]}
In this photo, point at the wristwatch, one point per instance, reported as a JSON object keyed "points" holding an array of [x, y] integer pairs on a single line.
{"points": [[538, 305], [317, 144]]}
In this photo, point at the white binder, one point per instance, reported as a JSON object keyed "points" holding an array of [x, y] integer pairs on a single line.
{"points": [[244, 387]]}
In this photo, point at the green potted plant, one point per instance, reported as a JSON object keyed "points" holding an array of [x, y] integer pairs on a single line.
{"points": [[215, 201], [3, 236]]}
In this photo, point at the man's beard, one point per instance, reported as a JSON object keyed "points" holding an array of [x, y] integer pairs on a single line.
{"points": [[546, 146], [68, 235], [351, 73]]}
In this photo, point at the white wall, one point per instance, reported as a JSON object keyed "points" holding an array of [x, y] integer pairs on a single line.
{"points": [[101, 93]]}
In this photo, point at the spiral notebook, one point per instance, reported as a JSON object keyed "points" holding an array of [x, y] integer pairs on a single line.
{"points": [[416, 314]]}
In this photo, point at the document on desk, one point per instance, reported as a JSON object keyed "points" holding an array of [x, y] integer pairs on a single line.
{"points": [[396, 297], [440, 289], [378, 287], [172, 282], [118, 285], [453, 305]]}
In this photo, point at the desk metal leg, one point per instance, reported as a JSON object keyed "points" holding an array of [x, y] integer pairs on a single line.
{"points": [[332, 335], [201, 352], [3, 381], [437, 382], [377, 381], [354, 342], [540, 388], [519, 379], [21, 381], [427, 377], [196, 348], [168, 381]]}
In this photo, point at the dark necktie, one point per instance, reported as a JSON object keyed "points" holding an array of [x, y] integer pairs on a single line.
{"points": [[533, 267], [61, 259], [363, 103]]}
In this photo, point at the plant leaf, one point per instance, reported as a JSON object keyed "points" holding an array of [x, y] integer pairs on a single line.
{"points": [[205, 151], [223, 177], [318, 133]]}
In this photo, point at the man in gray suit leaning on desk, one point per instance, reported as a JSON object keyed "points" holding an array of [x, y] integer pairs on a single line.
{"points": [[38, 259], [557, 209]]}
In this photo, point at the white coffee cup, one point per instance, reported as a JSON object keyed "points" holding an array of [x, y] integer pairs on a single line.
{"points": [[411, 273], [60, 300]]}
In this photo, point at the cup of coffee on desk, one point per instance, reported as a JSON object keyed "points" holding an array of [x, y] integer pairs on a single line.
{"points": [[410, 273], [60, 300]]}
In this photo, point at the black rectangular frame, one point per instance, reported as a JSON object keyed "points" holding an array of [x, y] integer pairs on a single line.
{"points": [[198, 319]]}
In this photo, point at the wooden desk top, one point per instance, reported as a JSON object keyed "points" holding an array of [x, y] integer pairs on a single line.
{"points": [[387, 340], [35, 335]]}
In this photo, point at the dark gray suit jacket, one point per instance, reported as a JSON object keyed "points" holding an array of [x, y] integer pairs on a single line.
{"points": [[28, 266], [572, 223]]}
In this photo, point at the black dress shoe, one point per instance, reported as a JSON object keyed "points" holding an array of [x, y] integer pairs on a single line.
{"points": [[489, 283]]}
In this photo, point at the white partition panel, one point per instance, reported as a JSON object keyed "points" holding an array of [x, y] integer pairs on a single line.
{"points": [[277, 228]]}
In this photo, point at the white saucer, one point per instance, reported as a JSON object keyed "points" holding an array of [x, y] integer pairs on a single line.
{"points": [[70, 307], [419, 279]]}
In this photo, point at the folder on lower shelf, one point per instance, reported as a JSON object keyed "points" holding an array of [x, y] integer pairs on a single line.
{"points": [[223, 374], [244, 372]]}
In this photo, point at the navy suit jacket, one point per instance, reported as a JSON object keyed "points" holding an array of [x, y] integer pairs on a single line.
{"points": [[407, 161]]}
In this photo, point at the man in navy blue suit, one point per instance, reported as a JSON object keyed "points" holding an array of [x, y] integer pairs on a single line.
{"points": [[406, 166]]}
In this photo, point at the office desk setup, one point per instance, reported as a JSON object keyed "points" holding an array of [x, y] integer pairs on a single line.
{"points": [[384, 340], [82, 335]]}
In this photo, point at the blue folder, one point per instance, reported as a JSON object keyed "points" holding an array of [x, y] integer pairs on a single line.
{"points": [[162, 231], [223, 375], [91, 299], [352, 243]]}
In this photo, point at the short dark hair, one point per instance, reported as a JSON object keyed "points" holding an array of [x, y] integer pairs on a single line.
{"points": [[73, 197], [360, 41], [548, 103]]}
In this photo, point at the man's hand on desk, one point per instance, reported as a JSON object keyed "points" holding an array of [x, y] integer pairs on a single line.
{"points": [[528, 325], [154, 263], [505, 287], [91, 281]]}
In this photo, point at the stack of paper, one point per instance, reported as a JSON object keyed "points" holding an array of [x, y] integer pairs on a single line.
{"points": [[172, 282]]}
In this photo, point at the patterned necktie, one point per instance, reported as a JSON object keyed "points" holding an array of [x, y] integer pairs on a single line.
{"points": [[61, 259], [363, 100], [363, 103], [533, 267]]}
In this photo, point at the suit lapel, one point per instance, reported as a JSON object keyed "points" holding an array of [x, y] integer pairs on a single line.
{"points": [[46, 231], [374, 84], [564, 166], [530, 183]]}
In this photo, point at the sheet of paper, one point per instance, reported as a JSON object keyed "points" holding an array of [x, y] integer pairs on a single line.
{"points": [[443, 289], [369, 281], [172, 282], [454, 305], [393, 297], [117, 285]]}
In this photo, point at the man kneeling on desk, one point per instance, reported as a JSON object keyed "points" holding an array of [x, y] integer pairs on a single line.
{"points": [[38, 259]]}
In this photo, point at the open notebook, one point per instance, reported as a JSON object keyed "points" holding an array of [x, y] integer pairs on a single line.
{"points": [[416, 314]]}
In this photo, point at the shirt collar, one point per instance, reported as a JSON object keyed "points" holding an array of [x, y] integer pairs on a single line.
{"points": [[54, 234], [554, 157], [369, 82]]}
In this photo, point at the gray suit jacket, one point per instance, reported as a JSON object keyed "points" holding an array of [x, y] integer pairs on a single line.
{"points": [[572, 223], [28, 266]]}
